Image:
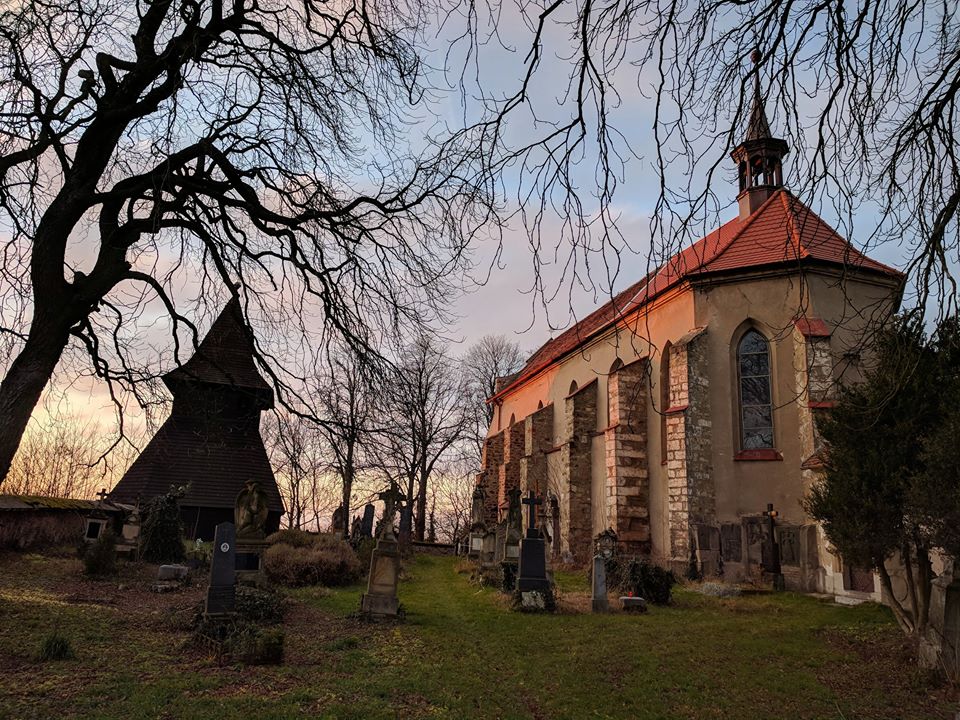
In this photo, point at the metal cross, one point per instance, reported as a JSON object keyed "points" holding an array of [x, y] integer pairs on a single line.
{"points": [[102, 494], [531, 502]]}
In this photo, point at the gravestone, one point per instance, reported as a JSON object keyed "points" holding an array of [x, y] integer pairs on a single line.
{"points": [[380, 601], [731, 542], [940, 646], [366, 525], [789, 541], [601, 603], [770, 551], [478, 526], [338, 521], [221, 594], [708, 550], [533, 586]]}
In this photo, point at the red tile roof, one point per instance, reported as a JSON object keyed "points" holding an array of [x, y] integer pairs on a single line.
{"points": [[782, 230]]}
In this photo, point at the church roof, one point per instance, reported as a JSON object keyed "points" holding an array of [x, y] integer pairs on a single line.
{"points": [[224, 357], [783, 231]]}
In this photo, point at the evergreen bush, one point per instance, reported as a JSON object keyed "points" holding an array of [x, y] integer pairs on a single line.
{"points": [[643, 579], [266, 607], [161, 535]]}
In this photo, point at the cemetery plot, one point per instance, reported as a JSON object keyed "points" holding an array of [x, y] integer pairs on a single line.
{"points": [[701, 657]]}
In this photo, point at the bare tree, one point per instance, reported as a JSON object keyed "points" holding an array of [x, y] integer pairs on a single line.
{"points": [[302, 467], [425, 417], [62, 458], [345, 402], [149, 146], [493, 358]]}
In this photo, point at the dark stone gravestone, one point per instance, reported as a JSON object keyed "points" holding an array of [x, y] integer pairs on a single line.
{"points": [[731, 542], [533, 585], [338, 521], [770, 551], [366, 525], [221, 595]]}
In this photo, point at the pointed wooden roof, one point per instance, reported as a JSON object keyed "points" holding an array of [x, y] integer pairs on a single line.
{"points": [[782, 232], [224, 357]]}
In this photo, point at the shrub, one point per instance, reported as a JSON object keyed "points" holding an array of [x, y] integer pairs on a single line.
{"points": [[55, 647], [198, 554], [257, 646], [643, 579], [266, 607], [327, 560], [100, 557], [161, 534], [293, 536]]}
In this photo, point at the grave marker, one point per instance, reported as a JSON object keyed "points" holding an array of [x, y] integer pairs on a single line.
{"points": [[221, 594]]}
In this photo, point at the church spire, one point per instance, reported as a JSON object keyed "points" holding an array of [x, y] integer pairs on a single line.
{"points": [[759, 157]]}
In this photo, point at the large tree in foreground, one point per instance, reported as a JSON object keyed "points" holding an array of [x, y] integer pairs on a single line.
{"points": [[190, 151]]}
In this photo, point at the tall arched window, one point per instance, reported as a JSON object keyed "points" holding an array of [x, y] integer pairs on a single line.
{"points": [[756, 406]]}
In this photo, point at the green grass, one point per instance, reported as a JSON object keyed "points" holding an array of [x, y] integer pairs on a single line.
{"points": [[461, 653]]}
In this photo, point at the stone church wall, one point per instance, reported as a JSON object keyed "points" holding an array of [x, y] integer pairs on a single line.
{"points": [[537, 437], [627, 474], [575, 486], [690, 487]]}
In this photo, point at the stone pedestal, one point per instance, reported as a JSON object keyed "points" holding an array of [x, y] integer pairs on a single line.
{"points": [[249, 560], [940, 648], [601, 603], [380, 600]]}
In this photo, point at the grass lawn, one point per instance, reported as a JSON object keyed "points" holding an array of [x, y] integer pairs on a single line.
{"points": [[460, 653]]}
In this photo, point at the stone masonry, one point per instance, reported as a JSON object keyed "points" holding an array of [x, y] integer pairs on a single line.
{"points": [[627, 488], [580, 422], [489, 477], [510, 471], [690, 491], [538, 439]]}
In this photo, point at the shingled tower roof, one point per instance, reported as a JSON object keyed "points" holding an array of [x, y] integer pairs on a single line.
{"points": [[224, 357], [211, 442]]}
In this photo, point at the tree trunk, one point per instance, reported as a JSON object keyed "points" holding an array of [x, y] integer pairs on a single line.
{"points": [[902, 616], [345, 500], [421, 527], [28, 375]]}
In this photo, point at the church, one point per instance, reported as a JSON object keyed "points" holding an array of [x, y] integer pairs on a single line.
{"points": [[680, 411]]}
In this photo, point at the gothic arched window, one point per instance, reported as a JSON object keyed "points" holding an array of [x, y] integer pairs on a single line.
{"points": [[756, 405]]}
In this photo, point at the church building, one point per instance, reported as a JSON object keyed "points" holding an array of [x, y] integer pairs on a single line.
{"points": [[678, 411], [211, 444]]}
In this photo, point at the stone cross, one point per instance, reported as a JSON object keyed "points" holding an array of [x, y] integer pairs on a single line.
{"points": [[772, 564], [102, 495], [531, 501], [390, 499]]}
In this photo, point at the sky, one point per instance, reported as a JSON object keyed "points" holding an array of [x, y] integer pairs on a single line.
{"points": [[503, 304]]}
